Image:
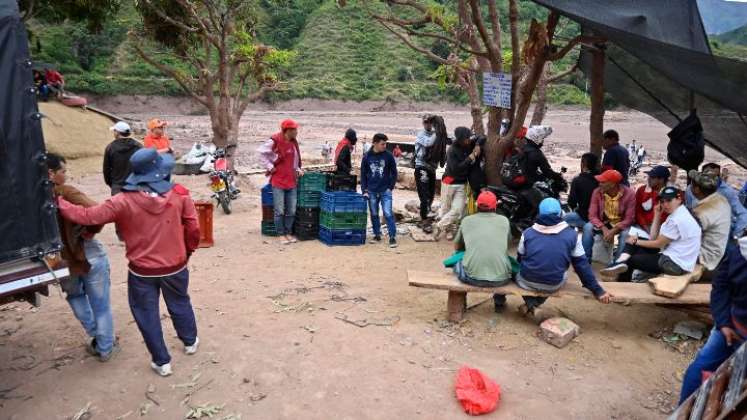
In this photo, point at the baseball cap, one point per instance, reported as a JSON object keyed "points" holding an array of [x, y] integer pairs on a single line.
{"points": [[704, 179], [521, 133], [669, 193], [288, 124], [659, 172], [121, 127], [487, 200], [549, 206], [610, 175], [156, 123]]}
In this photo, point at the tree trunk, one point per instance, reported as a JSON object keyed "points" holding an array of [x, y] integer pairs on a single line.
{"points": [[540, 104], [596, 121], [495, 149], [475, 104]]}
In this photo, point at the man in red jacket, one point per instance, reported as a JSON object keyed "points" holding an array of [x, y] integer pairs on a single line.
{"points": [[281, 157], [158, 222]]}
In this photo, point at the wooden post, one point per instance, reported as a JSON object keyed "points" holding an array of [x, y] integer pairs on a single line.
{"points": [[456, 305], [596, 122]]}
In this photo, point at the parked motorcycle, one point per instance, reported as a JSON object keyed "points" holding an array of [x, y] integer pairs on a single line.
{"points": [[222, 181], [520, 206]]}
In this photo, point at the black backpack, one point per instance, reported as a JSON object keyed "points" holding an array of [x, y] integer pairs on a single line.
{"points": [[512, 171], [686, 147]]}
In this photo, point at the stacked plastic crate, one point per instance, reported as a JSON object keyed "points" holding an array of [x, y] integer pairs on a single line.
{"points": [[268, 212], [343, 218], [310, 189]]}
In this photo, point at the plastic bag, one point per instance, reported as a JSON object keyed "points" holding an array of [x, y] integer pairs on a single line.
{"points": [[477, 393], [195, 155]]}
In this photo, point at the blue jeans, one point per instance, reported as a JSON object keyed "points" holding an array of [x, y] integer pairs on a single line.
{"points": [[284, 202], [587, 240], [575, 220], [385, 199], [143, 295], [709, 358], [88, 297]]}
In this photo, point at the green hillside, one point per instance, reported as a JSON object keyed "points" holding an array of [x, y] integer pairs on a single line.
{"points": [[341, 54], [737, 36]]}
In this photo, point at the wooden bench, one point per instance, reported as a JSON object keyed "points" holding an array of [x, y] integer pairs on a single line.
{"points": [[625, 293]]}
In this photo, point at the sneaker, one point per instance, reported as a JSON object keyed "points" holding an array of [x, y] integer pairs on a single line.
{"points": [[376, 239], [392, 243], [193, 348], [91, 347], [614, 270], [109, 356], [163, 370]]}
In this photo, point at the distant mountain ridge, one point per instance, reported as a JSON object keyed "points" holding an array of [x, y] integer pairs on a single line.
{"points": [[737, 36], [721, 16]]}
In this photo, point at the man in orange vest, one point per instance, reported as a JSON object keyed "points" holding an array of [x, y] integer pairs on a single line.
{"points": [[157, 138]]}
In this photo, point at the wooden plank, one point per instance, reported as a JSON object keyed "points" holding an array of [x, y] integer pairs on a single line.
{"points": [[683, 411], [114, 118], [674, 286], [700, 401], [456, 305], [713, 405], [739, 362], [738, 412], [310, 168], [625, 293]]}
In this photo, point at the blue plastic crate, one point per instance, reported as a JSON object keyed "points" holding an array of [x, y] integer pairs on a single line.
{"points": [[267, 195], [342, 236], [343, 202]]}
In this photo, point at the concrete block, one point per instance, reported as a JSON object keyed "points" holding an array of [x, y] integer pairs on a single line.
{"points": [[559, 331]]}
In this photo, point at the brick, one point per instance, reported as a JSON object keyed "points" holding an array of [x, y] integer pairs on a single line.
{"points": [[559, 331]]}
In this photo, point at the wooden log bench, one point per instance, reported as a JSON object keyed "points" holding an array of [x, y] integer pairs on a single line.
{"points": [[624, 293]]}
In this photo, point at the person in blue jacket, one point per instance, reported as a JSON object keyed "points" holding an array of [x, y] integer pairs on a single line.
{"points": [[378, 177], [546, 251], [729, 310]]}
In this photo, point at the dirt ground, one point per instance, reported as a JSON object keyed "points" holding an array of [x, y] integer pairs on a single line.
{"points": [[273, 322]]}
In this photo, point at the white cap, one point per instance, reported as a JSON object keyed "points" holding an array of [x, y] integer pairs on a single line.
{"points": [[121, 127]]}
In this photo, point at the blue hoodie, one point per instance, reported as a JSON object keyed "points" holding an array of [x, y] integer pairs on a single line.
{"points": [[729, 292], [548, 248], [378, 172]]}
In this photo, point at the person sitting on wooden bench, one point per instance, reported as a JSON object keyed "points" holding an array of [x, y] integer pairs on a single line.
{"points": [[674, 249], [713, 213], [729, 309], [546, 251], [484, 238]]}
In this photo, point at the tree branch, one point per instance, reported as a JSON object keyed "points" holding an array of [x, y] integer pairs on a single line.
{"points": [[493, 54], [169, 71], [181, 25], [565, 50], [190, 7], [29, 11], [513, 19], [554, 78], [495, 24], [406, 39]]}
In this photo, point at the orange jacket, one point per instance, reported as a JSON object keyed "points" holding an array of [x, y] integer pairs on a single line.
{"points": [[158, 143]]}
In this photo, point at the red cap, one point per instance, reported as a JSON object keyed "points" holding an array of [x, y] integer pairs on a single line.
{"points": [[288, 124], [521, 133], [487, 200], [610, 175]]}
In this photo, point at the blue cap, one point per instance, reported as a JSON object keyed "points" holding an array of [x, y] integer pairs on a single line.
{"points": [[550, 206], [150, 169], [659, 172]]}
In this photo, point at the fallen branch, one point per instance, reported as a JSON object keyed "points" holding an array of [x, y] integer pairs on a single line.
{"points": [[387, 322]]}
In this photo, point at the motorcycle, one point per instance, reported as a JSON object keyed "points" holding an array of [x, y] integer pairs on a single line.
{"points": [[222, 181], [520, 206]]}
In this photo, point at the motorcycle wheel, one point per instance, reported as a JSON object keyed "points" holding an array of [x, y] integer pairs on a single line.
{"points": [[225, 202]]}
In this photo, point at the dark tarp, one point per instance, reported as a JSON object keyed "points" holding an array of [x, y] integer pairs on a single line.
{"points": [[659, 62], [28, 223]]}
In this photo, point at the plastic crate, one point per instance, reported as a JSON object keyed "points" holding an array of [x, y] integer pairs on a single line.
{"points": [[267, 195], [342, 236], [205, 219], [342, 183], [307, 215], [306, 231], [343, 220], [268, 229], [268, 213], [313, 181], [309, 198], [343, 202]]}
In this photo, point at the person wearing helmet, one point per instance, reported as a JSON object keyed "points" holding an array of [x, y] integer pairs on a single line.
{"points": [[157, 138], [536, 166]]}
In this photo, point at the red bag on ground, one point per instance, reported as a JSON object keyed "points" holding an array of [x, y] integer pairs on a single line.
{"points": [[477, 393]]}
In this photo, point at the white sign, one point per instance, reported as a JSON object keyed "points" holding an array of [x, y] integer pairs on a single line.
{"points": [[496, 90]]}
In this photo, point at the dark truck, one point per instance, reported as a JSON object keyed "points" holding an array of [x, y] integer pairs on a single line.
{"points": [[29, 237]]}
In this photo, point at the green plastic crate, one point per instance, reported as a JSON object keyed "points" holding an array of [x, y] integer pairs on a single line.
{"points": [[268, 229], [336, 221], [313, 181], [309, 198]]}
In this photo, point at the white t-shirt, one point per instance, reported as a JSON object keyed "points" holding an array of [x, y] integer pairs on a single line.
{"points": [[684, 233]]}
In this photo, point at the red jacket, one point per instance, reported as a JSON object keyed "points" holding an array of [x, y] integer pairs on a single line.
{"points": [[642, 217], [287, 161], [627, 208], [160, 232]]}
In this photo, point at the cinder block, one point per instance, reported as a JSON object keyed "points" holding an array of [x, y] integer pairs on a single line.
{"points": [[559, 331]]}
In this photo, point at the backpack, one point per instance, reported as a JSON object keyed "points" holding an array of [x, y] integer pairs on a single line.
{"points": [[512, 171], [686, 147]]}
